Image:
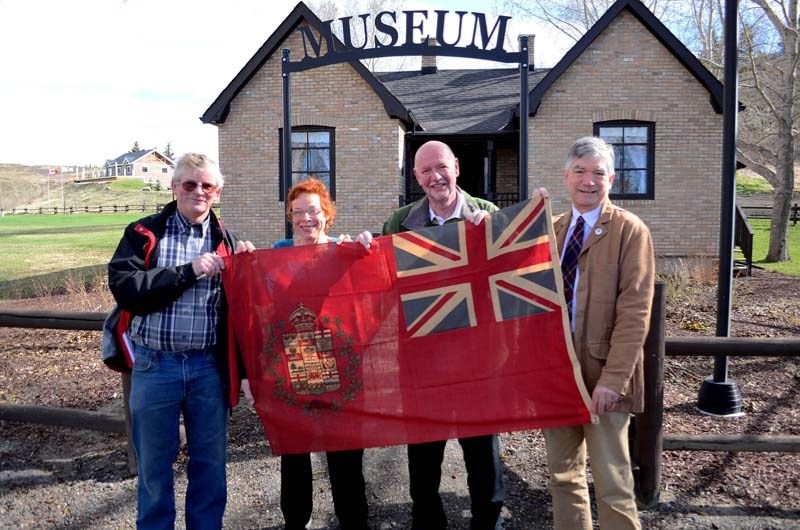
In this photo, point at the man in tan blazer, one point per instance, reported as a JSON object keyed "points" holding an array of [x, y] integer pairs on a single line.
{"points": [[610, 308]]}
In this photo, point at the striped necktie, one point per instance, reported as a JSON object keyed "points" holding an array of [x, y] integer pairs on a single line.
{"points": [[569, 264]]}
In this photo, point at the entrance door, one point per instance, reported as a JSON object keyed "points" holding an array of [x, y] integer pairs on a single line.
{"points": [[472, 162]]}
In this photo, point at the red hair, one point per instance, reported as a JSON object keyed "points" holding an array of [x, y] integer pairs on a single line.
{"points": [[312, 185]]}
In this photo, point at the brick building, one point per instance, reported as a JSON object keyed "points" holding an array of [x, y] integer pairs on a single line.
{"points": [[628, 80]]}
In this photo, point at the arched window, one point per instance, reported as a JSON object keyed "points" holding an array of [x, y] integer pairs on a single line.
{"points": [[313, 153], [634, 152]]}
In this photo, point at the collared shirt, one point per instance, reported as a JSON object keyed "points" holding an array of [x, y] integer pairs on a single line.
{"points": [[190, 321], [438, 220], [589, 220]]}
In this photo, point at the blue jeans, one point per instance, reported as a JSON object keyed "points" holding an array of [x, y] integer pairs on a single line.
{"points": [[164, 385]]}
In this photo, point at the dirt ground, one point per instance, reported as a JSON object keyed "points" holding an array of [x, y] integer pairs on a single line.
{"points": [[70, 478]]}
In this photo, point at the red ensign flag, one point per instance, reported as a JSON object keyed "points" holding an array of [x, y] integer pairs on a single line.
{"points": [[447, 332]]}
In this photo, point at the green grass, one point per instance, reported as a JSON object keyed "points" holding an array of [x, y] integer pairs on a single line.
{"points": [[126, 185], [42, 252], [39, 249], [747, 185], [761, 245]]}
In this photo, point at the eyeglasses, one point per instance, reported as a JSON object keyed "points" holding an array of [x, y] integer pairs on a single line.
{"points": [[190, 185], [313, 212]]}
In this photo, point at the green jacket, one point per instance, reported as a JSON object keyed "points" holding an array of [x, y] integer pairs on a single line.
{"points": [[416, 215]]}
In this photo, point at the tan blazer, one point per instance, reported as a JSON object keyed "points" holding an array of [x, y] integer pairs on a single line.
{"points": [[613, 301]]}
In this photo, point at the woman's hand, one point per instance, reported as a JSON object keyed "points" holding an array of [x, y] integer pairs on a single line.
{"points": [[365, 238], [244, 246]]}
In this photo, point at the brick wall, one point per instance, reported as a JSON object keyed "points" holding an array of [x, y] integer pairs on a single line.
{"points": [[627, 74], [368, 152], [507, 170]]}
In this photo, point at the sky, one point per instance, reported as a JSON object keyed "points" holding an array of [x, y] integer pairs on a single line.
{"points": [[82, 80]]}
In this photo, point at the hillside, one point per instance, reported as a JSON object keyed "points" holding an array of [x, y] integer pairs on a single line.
{"points": [[21, 185], [27, 187]]}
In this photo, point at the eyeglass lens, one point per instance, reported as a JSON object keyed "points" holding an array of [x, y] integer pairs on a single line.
{"points": [[302, 213], [190, 185]]}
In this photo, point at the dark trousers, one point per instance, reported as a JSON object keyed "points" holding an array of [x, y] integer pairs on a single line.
{"points": [[347, 488], [484, 480]]}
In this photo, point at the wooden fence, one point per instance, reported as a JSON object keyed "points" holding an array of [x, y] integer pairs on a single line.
{"points": [[765, 212], [647, 440], [54, 210], [113, 208]]}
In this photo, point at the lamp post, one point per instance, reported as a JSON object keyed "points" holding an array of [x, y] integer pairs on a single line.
{"points": [[719, 395]]}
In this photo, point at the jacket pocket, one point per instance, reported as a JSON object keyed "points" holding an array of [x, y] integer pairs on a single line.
{"points": [[604, 289], [599, 350]]}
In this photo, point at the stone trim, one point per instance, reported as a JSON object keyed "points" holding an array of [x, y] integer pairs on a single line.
{"points": [[624, 114]]}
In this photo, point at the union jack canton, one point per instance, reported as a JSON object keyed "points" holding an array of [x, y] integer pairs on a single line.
{"points": [[460, 275]]}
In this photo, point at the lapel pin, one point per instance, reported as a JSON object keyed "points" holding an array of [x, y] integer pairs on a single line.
{"points": [[598, 231]]}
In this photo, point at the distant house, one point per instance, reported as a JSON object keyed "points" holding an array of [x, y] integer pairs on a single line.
{"points": [[149, 165], [628, 80]]}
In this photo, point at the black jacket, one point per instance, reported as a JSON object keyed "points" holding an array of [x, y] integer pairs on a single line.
{"points": [[139, 287]]}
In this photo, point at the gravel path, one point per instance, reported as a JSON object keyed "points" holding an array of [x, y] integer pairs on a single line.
{"points": [[54, 478]]}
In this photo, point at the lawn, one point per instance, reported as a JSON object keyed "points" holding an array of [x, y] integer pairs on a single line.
{"points": [[761, 245], [40, 251], [37, 248]]}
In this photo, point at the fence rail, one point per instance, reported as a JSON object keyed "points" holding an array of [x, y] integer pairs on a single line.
{"points": [[55, 210], [112, 208], [765, 212]]}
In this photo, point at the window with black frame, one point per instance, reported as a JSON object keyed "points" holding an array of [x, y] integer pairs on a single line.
{"points": [[634, 151], [313, 154]]}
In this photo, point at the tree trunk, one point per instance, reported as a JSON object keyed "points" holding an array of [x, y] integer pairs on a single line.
{"points": [[778, 229], [782, 201]]}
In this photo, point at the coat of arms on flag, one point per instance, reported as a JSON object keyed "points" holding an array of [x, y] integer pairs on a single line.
{"points": [[446, 332]]}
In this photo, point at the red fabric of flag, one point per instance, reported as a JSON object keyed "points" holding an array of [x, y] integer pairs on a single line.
{"points": [[447, 332]]}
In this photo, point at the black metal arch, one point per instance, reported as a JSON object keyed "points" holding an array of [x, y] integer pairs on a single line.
{"points": [[496, 54]]}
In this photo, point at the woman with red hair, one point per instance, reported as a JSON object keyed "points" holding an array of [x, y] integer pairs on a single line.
{"points": [[311, 212]]}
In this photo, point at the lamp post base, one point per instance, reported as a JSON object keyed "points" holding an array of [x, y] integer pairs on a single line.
{"points": [[719, 398]]}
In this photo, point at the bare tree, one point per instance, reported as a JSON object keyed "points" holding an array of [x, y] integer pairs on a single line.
{"points": [[331, 9], [574, 17], [769, 87], [768, 131]]}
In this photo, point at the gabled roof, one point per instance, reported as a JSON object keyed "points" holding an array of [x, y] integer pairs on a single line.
{"points": [[460, 101], [130, 158], [218, 111], [649, 21]]}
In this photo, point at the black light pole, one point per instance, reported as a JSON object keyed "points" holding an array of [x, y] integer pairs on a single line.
{"points": [[523, 117], [719, 395], [286, 167]]}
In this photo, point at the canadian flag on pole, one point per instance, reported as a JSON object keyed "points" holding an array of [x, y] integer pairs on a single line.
{"points": [[52, 171]]}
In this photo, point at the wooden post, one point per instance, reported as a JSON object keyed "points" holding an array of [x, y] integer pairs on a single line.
{"points": [[648, 433], [126, 394]]}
